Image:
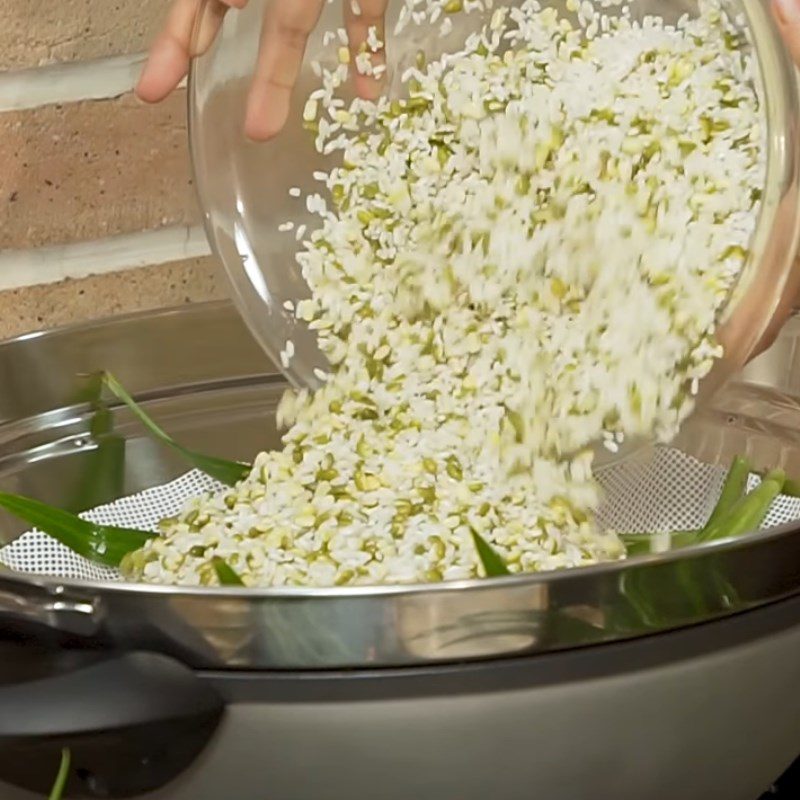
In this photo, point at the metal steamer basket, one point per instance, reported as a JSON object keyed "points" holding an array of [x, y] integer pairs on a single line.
{"points": [[613, 681]]}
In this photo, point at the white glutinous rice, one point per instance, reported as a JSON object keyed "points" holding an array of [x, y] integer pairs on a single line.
{"points": [[523, 256]]}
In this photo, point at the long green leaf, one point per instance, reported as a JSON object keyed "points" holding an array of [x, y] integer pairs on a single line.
{"points": [[226, 575], [57, 792], [102, 470], [749, 512], [732, 490], [743, 516], [791, 488], [227, 472], [637, 544], [104, 544], [101, 476], [493, 564]]}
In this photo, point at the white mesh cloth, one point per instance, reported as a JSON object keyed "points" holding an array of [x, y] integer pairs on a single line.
{"points": [[670, 491], [37, 552]]}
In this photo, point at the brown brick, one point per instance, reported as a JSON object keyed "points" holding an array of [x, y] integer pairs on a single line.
{"points": [[93, 169], [73, 301], [36, 32]]}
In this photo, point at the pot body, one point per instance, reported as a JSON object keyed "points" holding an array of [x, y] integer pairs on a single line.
{"points": [[711, 712]]}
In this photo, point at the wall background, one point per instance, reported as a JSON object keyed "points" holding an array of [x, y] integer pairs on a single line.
{"points": [[97, 210]]}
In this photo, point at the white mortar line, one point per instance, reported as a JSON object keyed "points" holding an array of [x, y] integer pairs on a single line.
{"points": [[98, 79], [19, 268]]}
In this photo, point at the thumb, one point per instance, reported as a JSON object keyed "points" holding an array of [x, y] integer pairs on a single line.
{"points": [[787, 14]]}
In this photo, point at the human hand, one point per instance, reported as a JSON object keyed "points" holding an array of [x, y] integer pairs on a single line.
{"points": [[286, 28], [787, 17]]}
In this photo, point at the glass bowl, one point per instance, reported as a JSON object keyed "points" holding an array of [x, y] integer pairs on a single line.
{"points": [[244, 186]]}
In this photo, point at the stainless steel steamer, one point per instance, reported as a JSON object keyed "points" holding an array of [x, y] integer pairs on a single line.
{"points": [[551, 686]]}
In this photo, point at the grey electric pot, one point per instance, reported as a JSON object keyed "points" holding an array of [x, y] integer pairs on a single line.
{"points": [[549, 686]]}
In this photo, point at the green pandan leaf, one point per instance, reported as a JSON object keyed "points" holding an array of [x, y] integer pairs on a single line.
{"points": [[639, 544], [225, 573], [493, 564], [104, 544], [227, 472], [732, 490], [749, 511], [57, 792]]}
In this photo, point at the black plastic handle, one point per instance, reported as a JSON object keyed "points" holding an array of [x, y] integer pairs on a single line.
{"points": [[133, 721]]}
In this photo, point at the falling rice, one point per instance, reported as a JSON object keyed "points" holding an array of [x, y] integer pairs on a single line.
{"points": [[524, 256]]}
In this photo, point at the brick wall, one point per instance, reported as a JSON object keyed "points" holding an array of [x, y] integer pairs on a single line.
{"points": [[97, 208]]}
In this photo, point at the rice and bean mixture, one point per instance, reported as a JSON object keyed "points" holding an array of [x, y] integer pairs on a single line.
{"points": [[524, 256]]}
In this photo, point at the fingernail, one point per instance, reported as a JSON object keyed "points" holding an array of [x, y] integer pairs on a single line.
{"points": [[788, 11]]}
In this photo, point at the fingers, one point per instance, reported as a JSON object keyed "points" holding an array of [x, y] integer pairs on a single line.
{"points": [[168, 61], [361, 17], [787, 15], [287, 25], [789, 304]]}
